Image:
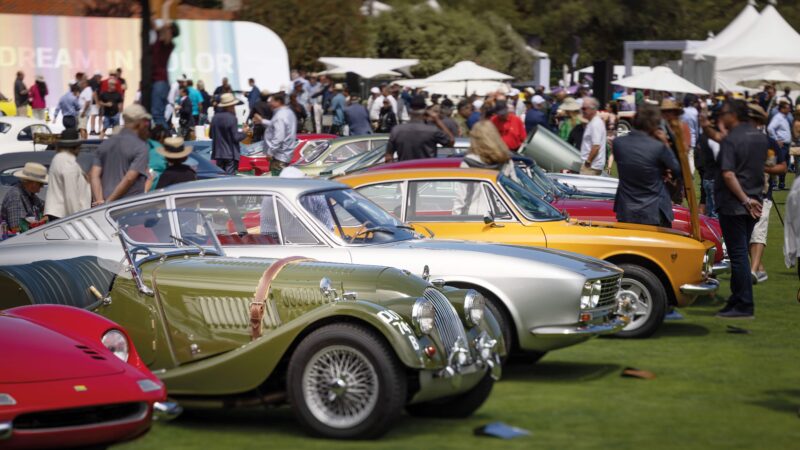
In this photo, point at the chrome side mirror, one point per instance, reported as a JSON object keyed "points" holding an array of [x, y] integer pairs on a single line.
{"points": [[488, 219]]}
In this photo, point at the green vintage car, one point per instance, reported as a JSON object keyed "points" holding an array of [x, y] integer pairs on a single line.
{"points": [[347, 346], [326, 154]]}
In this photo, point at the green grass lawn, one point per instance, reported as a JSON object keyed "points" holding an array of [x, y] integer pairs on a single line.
{"points": [[713, 390]]}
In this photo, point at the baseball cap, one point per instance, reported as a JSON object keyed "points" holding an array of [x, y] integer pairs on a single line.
{"points": [[134, 113], [375, 90], [537, 100]]}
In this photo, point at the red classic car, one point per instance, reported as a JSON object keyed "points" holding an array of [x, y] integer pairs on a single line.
{"points": [[258, 164], [589, 209], [71, 378]]}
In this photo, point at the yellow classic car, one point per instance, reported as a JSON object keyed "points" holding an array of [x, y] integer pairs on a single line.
{"points": [[663, 268]]}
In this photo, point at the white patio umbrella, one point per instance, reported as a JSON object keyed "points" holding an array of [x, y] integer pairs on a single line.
{"points": [[661, 79], [774, 77], [465, 72]]}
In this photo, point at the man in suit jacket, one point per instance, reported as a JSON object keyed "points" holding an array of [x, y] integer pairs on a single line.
{"points": [[642, 163]]}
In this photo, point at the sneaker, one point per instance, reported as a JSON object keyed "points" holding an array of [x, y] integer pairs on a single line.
{"points": [[734, 313], [754, 277], [761, 277]]}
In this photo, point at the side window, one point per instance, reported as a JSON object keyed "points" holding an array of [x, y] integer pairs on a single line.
{"points": [[236, 219], [292, 229], [347, 151], [498, 208], [25, 135], [146, 223], [375, 143], [388, 196], [447, 201]]}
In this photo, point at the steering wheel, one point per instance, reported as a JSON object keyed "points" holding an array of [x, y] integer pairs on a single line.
{"points": [[364, 226]]}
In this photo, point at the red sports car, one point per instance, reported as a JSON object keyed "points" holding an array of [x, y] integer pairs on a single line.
{"points": [[71, 378], [258, 164], [588, 209]]}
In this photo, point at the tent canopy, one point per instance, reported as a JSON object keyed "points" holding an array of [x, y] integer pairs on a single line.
{"points": [[746, 18], [468, 71], [368, 67], [661, 79], [775, 77], [456, 88]]}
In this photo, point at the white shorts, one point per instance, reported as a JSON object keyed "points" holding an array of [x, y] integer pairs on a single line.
{"points": [[759, 235], [82, 121], [94, 110]]}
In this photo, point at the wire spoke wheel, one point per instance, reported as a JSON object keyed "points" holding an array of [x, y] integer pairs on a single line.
{"points": [[340, 386]]}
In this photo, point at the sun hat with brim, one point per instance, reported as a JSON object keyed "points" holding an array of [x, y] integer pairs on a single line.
{"points": [[569, 104], [755, 111], [227, 99], [670, 105], [32, 172], [174, 148], [69, 139], [135, 113], [265, 93], [338, 87]]}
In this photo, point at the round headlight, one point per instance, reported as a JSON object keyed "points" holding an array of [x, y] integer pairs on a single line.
{"points": [[423, 316], [474, 307], [116, 343]]}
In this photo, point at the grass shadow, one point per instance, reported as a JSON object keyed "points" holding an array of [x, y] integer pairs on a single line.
{"points": [[253, 419], [783, 401], [558, 371], [680, 329]]}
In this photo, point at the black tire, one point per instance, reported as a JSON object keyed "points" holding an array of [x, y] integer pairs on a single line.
{"points": [[642, 279], [368, 349], [456, 407], [503, 321]]}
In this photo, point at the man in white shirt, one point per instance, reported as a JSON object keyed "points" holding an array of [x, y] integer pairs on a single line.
{"points": [[68, 191], [593, 147], [376, 102], [85, 101]]}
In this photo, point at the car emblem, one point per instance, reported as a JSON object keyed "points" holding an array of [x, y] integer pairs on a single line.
{"points": [[80, 388]]}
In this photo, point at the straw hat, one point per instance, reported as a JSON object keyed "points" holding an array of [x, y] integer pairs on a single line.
{"points": [[569, 104], [32, 172], [135, 112], [227, 99], [338, 87], [755, 111], [670, 105], [174, 148], [265, 93]]}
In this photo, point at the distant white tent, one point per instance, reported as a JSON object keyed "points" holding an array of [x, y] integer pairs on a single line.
{"points": [[456, 88], [469, 71], [769, 43], [661, 79], [619, 70], [368, 67], [774, 77]]}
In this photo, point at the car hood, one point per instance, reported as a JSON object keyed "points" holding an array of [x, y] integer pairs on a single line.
{"points": [[31, 353], [573, 262]]}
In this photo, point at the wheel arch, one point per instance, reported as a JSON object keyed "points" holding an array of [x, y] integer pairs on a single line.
{"points": [[650, 265], [502, 303]]}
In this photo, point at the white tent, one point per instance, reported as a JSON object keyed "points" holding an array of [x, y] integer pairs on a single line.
{"points": [[774, 77], [769, 43], [368, 67], [456, 88], [661, 79], [694, 68], [468, 71], [619, 71]]}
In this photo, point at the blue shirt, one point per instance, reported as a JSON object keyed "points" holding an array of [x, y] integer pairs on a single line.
{"points": [[535, 117], [473, 119], [68, 105], [196, 97], [358, 119], [338, 105], [779, 129], [253, 96]]}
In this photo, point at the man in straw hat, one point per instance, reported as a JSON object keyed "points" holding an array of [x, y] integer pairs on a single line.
{"points": [[225, 134], [120, 167], [69, 190], [176, 153], [22, 208]]}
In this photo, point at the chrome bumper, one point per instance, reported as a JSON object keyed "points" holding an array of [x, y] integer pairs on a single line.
{"points": [[723, 266], [166, 411], [6, 430], [588, 330], [707, 287]]}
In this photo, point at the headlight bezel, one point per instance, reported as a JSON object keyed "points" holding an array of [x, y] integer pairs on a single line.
{"points": [[474, 307], [423, 316], [590, 294], [116, 342]]}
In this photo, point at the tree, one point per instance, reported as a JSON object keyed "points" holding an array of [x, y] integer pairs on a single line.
{"points": [[313, 28]]}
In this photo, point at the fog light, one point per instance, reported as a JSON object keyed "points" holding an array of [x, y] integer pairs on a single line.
{"points": [[430, 351]]}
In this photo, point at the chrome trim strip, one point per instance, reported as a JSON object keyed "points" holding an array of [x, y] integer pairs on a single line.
{"points": [[709, 286], [588, 330]]}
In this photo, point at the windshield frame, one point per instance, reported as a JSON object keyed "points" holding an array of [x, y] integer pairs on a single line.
{"points": [[337, 238], [523, 211]]}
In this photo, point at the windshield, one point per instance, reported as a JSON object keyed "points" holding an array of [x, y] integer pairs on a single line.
{"points": [[529, 204], [540, 177], [534, 187], [358, 162], [313, 150], [348, 216]]}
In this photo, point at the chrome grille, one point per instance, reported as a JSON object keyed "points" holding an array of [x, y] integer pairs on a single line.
{"points": [[608, 293], [447, 321]]}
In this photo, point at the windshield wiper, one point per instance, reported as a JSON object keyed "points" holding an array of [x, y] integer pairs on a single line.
{"points": [[189, 243], [370, 230]]}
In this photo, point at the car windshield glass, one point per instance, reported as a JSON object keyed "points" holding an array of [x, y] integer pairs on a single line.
{"points": [[350, 217], [540, 177], [359, 162], [530, 205], [529, 183], [313, 150]]}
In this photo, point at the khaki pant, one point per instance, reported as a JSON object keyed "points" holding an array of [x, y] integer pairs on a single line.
{"points": [[22, 111], [589, 171], [40, 114]]}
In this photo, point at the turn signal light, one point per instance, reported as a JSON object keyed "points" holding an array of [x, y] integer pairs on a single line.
{"points": [[586, 318], [430, 351]]}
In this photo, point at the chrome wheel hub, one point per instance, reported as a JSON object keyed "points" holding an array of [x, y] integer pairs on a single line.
{"points": [[641, 306], [340, 386]]}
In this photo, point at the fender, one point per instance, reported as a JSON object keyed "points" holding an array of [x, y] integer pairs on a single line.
{"points": [[246, 367]]}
